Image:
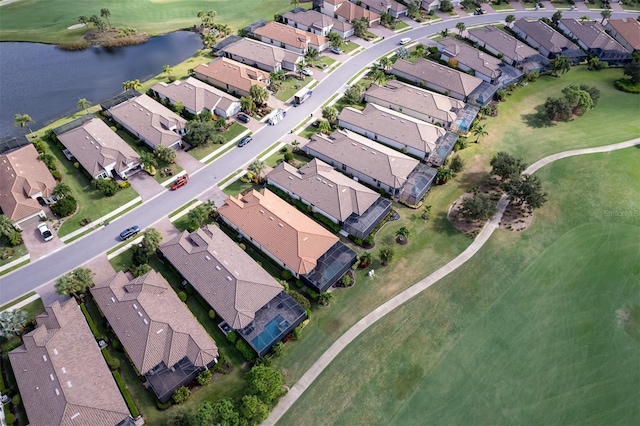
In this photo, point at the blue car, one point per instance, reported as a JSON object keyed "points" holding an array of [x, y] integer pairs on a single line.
{"points": [[129, 232]]}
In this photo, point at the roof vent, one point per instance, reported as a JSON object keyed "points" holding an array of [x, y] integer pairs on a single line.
{"points": [[75, 415], [229, 278], [262, 211], [113, 299], [270, 218], [135, 306], [145, 321], [55, 351], [140, 314], [305, 238], [51, 377], [44, 358], [290, 178], [64, 370], [217, 268], [69, 383], [160, 331], [280, 225], [207, 257], [57, 392]]}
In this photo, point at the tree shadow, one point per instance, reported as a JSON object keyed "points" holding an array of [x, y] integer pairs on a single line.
{"points": [[442, 223], [473, 179], [538, 119]]}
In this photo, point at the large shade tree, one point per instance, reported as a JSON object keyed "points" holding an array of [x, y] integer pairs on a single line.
{"points": [[75, 283]]}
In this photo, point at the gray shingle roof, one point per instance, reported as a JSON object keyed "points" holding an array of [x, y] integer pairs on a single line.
{"points": [[194, 94], [440, 75], [229, 280], [592, 34], [502, 42], [62, 375], [152, 323], [326, 188], [473, 58], [545, 36], [260, 52], [368, 157]]}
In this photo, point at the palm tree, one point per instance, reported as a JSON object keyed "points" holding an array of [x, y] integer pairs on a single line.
{"points": [[211, 14], [377, 75], [560, 65], [426, 212], [460, 26], [23, 120], [83, 20], [606, 14], [202, 16], [584, 18], [510, 19], [413, 8], [167, 69], [443, 175], [365, 259], [386, 254], [294, 3], [257, 168], [402, 235], [132, 84], [83, 104], [360, 27], [106, 14], [420, 50], [594, 63], [61, 190], [324, 127], [444, 33], [312, 54], [386, 63], [479, 131], [295, 145], [300, 66]]}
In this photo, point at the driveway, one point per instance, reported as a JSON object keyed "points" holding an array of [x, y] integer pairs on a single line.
{"points": [[215, 194], [187, 162], [145, 185], [166, 228], [38, 247], [254, 125]]}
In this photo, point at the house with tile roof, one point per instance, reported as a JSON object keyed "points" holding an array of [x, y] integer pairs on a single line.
{"points": [[99, 150], [394, 129], [261, 55], [231, 76], [290, 38], [513, 51], [415, 102], [442, 79], [165, 342], [434, 5], [317, 23], [239, 290], [593, 38], [335, 196], [25, 181], [344, 10], [61, 373], [150, 121], [197, 96], [288, 237], [625, 31], [548, 41], [393, 7]]}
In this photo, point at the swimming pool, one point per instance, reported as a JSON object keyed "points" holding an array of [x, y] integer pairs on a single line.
{"points": [[463, 124], [270, 333]]}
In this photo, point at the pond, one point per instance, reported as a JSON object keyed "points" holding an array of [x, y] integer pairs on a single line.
{"points": [[46, 82]]}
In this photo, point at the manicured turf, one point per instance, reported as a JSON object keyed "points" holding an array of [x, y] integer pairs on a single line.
{"points": [[526, 332], [46, 21]]}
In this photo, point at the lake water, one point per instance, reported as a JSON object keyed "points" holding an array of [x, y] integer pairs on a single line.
{"points": [[46, 82]]}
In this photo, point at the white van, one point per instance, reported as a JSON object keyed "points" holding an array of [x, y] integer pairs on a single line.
{"points": [[405, 40]]}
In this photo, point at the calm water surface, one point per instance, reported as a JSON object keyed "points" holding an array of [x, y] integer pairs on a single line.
{"points": [[46, 82]]}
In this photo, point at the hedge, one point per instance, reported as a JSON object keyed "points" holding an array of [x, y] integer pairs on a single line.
{"points": [[246, 350], [92, 325], [300, 299], [626, 85], [125, 393]]}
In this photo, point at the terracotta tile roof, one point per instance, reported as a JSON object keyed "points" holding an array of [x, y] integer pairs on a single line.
{"points": [[628, 29], [326, 188], [62, 375], [152, 323], [545, 36], [411, 97], [279, 228], [229, 280], [260, 52], [351, 12], [95, 146], [509, 46], [233, 73], [368, 157], [473, 58], [440, 75], [395, 126], [150, 119], [22, 175], [194, 94], [291, 36], [592, 34]]}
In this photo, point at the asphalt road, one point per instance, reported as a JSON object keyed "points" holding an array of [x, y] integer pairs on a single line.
{"points": [[45, 269]]}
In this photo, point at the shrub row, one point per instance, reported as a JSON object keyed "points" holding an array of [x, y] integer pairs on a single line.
{"points": [[92, 325], [626, 85], [125, 393], [247, 352]]}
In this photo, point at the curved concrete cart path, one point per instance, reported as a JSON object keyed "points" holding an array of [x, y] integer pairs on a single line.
{"points": [[334, 350]]}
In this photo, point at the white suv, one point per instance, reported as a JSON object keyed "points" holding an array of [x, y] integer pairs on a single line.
{"points": [[405, 40], [45, 232]]}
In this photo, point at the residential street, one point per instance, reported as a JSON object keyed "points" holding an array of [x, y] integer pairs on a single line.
{"points": [[60, 261]]}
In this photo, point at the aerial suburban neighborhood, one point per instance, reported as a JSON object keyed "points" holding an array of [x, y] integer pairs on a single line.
{"points": [[321, 212]]}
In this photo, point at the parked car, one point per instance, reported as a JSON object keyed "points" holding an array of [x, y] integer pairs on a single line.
{"points": [[405, 40], [46, 233], [180, 181], [336, 50], [307, 71], [243, 117], [245, 141], [129, 232]]}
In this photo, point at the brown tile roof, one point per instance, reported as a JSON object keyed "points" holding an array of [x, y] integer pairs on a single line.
{"points": [[395, 126], [311, 18], [440, 75], [509, 46], [233, 73], [368, 157], [326, 188], [62, 375], [194, 94], [279, 228], [628, 29], [150, 119], [592, 34], [229, 280], [95, 146], [152, 323], [411, 97], [545, 36], [334, 2], [473, 58], [351, 11], [260, 52], [289, 35], [22, 175]]}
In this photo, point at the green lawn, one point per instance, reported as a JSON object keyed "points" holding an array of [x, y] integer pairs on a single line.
{"points": [[202, 151], [46, 21], [278, 157], [238, 186], [322, 62], [500, 7], [16, 253], [290, 87], [349, 46], [527, 332]]}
